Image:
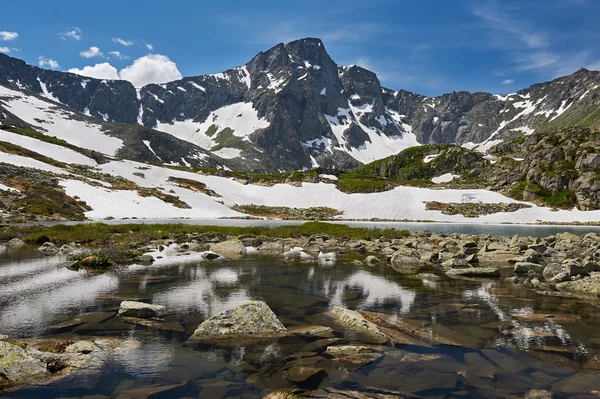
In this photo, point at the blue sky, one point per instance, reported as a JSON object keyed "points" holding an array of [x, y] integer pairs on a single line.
{"points": [[429, 47]]}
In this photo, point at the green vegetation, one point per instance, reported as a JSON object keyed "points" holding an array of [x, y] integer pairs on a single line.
{"points": [[100, 234], [283, 212], [211, 130], [357, 185], [561, 199], [10, 148], [95, 261]]}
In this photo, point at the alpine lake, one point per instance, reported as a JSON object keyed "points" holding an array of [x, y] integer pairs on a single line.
{"points": [[477, 337]]}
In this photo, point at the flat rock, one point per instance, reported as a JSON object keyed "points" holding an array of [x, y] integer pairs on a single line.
{"points": [[355, 362], [253, 319], [367, 393], [141, 310], [543, 318], [312, 331], [474, 272], [347, 350], [171, 326], [526, 267]]}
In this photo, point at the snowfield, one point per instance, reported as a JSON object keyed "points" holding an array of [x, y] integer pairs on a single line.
{"points": [[401, 203], [53, 151], [58, 122]]}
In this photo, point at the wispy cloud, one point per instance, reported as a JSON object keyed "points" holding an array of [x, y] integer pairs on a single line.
{"points": [[529, 47], [71, 33], [5, 50], [122, 42], [8, 36], [149, 46], [507, 82], [47, 62], [92, 52], [117, 54]]}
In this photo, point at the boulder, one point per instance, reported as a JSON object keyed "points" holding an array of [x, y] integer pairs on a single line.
{"points": [[48, 248], [230, 248], [302, 374], [15, 243], [17, 365], [588, 286], [83, 347], [526, 267], [327, 259], [141, 310], [251, 319]]}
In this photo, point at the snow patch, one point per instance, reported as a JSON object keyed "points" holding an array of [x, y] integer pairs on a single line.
{"points": [[445, 178]]}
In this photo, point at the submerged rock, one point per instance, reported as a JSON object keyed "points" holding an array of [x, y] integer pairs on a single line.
{"points": [[355, 321], [251, 319], [141, 310]]}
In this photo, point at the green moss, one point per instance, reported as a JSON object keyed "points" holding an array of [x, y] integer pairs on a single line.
{"points": [[103, 235]]}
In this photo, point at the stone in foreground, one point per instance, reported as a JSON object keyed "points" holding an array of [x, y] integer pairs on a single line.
{"points": [[252, 319], [141, 310]]}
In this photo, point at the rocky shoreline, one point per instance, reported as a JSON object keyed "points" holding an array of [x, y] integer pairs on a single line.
{"points": [[561, 265]]}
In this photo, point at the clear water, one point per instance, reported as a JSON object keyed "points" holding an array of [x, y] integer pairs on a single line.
{"points": [[502, 357]]}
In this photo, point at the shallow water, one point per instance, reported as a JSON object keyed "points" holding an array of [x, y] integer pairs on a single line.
{"points": [[500, 356]]}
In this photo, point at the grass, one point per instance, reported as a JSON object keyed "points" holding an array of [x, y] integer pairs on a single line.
{"points": [[100, 234]]}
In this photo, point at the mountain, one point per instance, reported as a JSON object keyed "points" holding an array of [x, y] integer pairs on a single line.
{"points": [[289, 108]]}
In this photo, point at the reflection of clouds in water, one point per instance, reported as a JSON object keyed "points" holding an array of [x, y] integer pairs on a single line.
{"points": [[145, 359], [225, 276], [28, 267], [44, 280], [484, 294], [200, 296], [523, 336], [34, 311], [376, 290]]}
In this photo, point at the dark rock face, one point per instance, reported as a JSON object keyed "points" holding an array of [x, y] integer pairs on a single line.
{"points": [[311, 110]]}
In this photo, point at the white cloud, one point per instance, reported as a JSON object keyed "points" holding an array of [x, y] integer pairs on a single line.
{"points": [[71, 33], [48, 62], [8, 36], [91, 52], [123, 42], [118, 55], [153, 68], [507, 82], [98, 71], [5, 50], [149, 46]]}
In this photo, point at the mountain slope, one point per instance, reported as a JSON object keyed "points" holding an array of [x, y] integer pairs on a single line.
{"points": [[292, 107]]}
